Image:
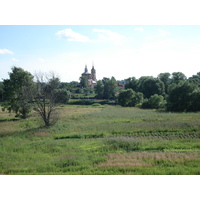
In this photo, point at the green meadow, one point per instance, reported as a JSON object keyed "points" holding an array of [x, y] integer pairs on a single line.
{"points": [[101, 140]]}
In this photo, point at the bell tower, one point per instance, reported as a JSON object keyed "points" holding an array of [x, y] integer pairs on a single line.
{"points": [[86, 70], [93, 73]]}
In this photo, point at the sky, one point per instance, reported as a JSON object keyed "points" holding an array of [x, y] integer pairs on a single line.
{"points": [[121, 51], [130, 38]]}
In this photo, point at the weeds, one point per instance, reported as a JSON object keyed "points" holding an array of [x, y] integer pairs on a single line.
{"points": [[101, 140]]}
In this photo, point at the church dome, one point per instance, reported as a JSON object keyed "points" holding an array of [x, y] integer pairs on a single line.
{"points": [[86, 73]]}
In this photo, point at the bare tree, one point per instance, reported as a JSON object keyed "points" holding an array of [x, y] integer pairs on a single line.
{"points": [[45, 97]]}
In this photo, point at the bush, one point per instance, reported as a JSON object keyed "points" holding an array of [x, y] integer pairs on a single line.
{"points": [[195, 98], [146, 104], [62, 96], [182, 97], [155, 101], [129, 98]]}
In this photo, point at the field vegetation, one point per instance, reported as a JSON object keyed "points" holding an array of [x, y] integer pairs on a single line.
{"points": [[133, 126], [101, 139]]}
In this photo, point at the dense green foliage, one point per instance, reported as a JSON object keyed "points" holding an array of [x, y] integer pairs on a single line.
{"points": [[150, 86], [132, 83], [195, 79], [1, 91], [62, 96], [183, 96], [173, 91], [18, 92], [83, 82], [177, 77], [110, 88], [155, 101], [165, 78], [130, 98], [195, 98], [99, 89]]}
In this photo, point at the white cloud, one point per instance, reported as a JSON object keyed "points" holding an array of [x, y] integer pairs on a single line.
{"points": [[148, 38], [70, 35], [41, 60], [140, 29], [107, 35], [163, 33], [5, 51], [74, 54], [15, 60]]}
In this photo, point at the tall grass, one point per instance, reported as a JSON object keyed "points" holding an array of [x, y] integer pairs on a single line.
{"points": [[101, 140]]}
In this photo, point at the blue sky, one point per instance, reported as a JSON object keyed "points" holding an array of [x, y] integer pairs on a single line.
{"points": [[121, 51]]}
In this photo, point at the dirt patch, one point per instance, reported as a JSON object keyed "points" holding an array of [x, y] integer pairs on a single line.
{"points": [[42, 134], [145, 158], [122, 160]]}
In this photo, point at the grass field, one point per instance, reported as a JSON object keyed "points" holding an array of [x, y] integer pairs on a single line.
{"points": [[101, 140]]}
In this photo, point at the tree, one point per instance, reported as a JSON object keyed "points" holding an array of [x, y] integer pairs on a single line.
{"points": [[178, 76], [125, 98], [180, 96], [165, 78], [46, 97], [62, 96], [18, 92], [79, 91], [99, 89], [110, 88], [83, 82], [150, 86], [132, 83], [195, 79], [88, 90], [129, 98], [195, 97], [71, 87], [1, 91], [155, 102], [139, 98]]}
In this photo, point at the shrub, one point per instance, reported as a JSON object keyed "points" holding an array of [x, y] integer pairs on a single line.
{"points": [[129, 98], [146, 104], [195, 96], [62, 96], [180, 97], [155, 101]]}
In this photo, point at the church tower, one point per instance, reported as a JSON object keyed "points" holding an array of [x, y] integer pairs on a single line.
{"points": [[86, 70], [86, 73], [91, 77], [93, 73]]}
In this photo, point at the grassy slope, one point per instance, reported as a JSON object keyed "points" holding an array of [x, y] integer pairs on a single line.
{"points": [[101, 140]]}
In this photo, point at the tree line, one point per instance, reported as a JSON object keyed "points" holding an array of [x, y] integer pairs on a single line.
{"points": [[173, 92], [23, 92]]}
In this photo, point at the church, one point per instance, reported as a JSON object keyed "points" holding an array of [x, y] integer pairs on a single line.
{"points": [[91, 77]]}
